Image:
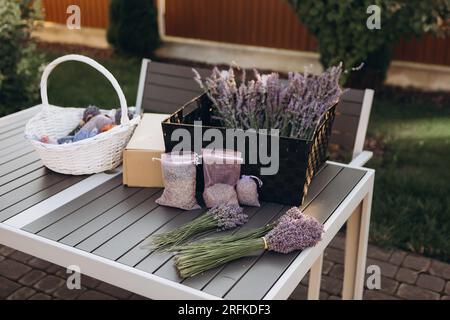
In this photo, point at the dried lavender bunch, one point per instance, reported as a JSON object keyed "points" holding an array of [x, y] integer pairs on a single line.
{"points": [[292, 234], [294, 231], [294, 106], [222, 217], [211, 242]]}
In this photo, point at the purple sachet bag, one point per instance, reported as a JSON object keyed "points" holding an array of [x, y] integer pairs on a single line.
{"points": [[221, 171], [247, 191]]}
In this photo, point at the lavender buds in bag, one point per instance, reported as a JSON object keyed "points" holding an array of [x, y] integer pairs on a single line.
{"points": [[247, 191], [179, 175], [221, 171]]}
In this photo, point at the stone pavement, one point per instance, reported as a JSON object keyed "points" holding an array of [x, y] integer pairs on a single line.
{"points": [[404, 276]]}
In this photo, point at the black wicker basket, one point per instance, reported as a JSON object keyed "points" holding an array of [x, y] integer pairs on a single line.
{"points": [[299, 160]]}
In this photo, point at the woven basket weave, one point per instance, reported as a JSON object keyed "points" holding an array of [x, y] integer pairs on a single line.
{"points": [[93, 155]]}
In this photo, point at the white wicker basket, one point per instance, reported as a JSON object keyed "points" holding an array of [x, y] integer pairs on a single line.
{"points": [[97, 154]]}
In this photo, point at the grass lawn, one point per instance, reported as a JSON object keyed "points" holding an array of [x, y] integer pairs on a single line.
{"points": [[73, 84], [411, 206], [412, 186]]}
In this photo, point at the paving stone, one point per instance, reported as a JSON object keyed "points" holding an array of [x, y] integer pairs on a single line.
{"points": [[32, 277], [323, 295], [431, 282], [440, 269], [6, 251], [49, 284], [377, 295], [300, 293], [20, 256], [62, 273], [416, 262], [387, 269], [13, 269], [22, 294], [65, 293], [7, 287], [94, 295], [2, 258], [331, 285], [337, 271], [406, 275], [409, 292], [338, 242], [41, 296], [375, 252], [137, 297], [327, 266], [334, 298], [388, 285], [89, 282], [445, 298], [114, 291], [39, 263], [54, 269], [397, 257], [334, 255], [447, 288]]}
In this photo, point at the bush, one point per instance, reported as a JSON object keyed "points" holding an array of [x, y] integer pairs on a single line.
{"points": [[342, 34], [133, 27], [19, 61]]}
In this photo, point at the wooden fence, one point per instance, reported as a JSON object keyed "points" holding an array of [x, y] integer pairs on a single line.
{"points": [[266, 23], [94, 13]]}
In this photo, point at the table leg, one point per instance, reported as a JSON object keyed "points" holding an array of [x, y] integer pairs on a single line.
{"points": [[315, 277], [356, 250]]}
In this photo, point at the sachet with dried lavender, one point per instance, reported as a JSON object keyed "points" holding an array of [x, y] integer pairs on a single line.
{"points": [[222, 217], [293, 231], [293, 106]]}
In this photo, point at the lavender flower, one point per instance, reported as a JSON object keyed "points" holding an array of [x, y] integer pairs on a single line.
{"points": [[228, 216], [222, 217], [293, 234], [292, 213], [268, 102]]}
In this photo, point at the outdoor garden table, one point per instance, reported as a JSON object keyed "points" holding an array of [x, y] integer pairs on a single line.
{"points": [[97, 224]]}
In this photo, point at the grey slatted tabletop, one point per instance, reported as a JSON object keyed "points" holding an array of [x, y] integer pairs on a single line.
{"points": [[112, 220], [24, 181]]}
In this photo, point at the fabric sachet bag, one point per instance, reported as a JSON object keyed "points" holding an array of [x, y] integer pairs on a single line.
{"points": [[221, 171], [179, 175], [247, 191]]}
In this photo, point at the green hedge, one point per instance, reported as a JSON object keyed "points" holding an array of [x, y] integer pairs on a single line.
{"points": [[19, 61], [342, 33], [133, 27]]}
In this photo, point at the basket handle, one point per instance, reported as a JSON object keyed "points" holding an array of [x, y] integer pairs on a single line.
{"points": [[75, 57]]}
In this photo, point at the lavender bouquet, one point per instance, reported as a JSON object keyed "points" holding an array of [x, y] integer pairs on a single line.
{"points": [[293, 106], [221, 217], [294, 231], [256, 233]]}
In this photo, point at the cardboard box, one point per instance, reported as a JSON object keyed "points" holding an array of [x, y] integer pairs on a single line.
{"points": [[139, 170]]}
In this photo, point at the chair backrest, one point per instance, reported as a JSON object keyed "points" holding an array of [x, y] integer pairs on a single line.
{"points": [[164, 88], [352, 119]]}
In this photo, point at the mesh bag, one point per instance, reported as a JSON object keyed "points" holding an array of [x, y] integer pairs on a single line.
{"points": [[221, 171], [179, 175]]}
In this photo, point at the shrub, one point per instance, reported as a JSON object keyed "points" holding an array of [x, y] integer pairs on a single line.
{"points": [[342, 34], [133, 27], [19, 61]]}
